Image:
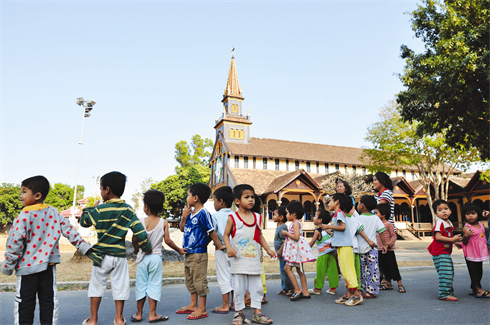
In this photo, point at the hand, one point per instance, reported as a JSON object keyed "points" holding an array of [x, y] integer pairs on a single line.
{"points": [[271, 253], [468, 232], [485, 214], [231, 253], [458, 245], [372, 244], [186, 212], [97, 202], [284, 233], [385, 249], [221, 247], [279, 254], [457, 239], [182, 251]]}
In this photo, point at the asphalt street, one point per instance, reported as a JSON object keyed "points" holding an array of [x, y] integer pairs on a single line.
{"points": [[418, 306]]}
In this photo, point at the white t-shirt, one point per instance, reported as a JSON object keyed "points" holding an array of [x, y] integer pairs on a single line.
{"points": [[354, 228], [371, 225]]}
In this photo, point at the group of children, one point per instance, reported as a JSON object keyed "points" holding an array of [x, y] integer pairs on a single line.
{"points": [[357, 242]]}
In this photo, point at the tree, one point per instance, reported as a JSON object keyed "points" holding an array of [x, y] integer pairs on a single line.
{"points": [[397, 145], [10, 204], [60, 196], [357, 182], [448, 85], [195, 154], [144, 186]]}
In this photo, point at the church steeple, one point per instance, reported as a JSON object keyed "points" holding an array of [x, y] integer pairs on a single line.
{"points": [[233, 88]]}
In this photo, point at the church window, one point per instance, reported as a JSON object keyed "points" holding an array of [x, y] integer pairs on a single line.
{"points": [[413, 175], [396, 172], [241, 134], [254, 163], [287, 165], [237, 161], [232, 133], [296, 165], [277, 164], [404, 173], [326, 168], [317, 168], [354, 169], [245, 162], [337, 167], [265, 163], [308, 166]]}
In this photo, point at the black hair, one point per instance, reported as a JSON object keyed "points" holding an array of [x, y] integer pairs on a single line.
{"points": [[296, 208], [324, 216], [37, 184], [471, 207], [224, 193], [343, 201], [349, 204], [201, 190], [281, 212], [369, 202], [238, 190], [385, 180], [437, 203], [348, 189], [257, 204], [154, 200], [384, 209], [116, 181]]}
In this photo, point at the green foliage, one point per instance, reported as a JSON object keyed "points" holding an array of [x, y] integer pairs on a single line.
{"points": [[61, 196], [195, 154], [448, 85], [10, 205], [485, 176]]}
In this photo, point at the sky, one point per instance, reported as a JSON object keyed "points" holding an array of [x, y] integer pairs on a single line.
{"points": [[310, 71]]}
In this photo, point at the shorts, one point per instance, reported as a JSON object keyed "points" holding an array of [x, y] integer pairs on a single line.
{"points": [[117, 268], [149, 278], [196, 269]]}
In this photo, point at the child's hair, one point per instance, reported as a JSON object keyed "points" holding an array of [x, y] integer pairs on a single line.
{"points": [[348, 204], [384, 210], [471, 207], [324, 216], [343, 201], [116, 181], [385, 180], [281, 212], [348, 189], [257, 204], [201, 190], [437, 203], [296, 208], [238, 190], [224, 193], [37, 184], [369, 202], [154, 200]]}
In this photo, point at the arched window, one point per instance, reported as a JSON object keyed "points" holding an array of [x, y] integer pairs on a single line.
{"points": [[241, 134], [479, 203], [308, 206], [397, 212], [321, 206], [454, 213], [232, 133], [405, 212], [284, 202], [272, 204]]}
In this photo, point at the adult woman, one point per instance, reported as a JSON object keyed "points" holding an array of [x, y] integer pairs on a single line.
{"points": [[384, 186], [344, 188]]}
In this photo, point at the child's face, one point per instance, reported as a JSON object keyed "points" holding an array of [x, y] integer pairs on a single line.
{"points": [[376, 213], [146, 210], [471, 217], [218, 204], [290, 216], [277, 218], [247, 200], [359, 207], [332, 204], [104, 193], [443, 211], [191, 199], [27, 197], [317, 221]]}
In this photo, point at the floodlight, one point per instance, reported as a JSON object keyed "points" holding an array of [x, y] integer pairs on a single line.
{"points": [[87, 115], [80, 101], [91, 103]]}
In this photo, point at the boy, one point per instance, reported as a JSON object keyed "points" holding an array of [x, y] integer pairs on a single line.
{"points": [[149, 269], [368, 252], [223, 199], [441, 249], [111, 221], [279, 239], [325, 262], [244, 228], [32, 250], [388, 266], [197, 226]]}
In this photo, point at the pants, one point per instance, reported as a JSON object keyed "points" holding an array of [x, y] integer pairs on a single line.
{"points": [[223, 275], [117, 268], [250, 283], [388, 266], [445, 270], [195, 271], [357, 265], [476, 273], [370, 271], [149, 278], [285, 282], [42, 284], [325, 264], [262, 278], [346, 263]]}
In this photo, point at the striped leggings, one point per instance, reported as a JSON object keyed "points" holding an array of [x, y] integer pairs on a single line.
{"points": [[445, 270]]}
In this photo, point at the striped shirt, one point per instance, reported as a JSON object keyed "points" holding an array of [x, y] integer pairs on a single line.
{"points": [[387, 195], [112, 221]]}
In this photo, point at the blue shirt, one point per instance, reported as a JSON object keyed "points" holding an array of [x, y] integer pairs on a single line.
{"points": [[196, 230], [341, 238], [220, 218]]}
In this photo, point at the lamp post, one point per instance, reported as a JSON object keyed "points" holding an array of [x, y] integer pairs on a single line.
{"points": [[87, 107]]}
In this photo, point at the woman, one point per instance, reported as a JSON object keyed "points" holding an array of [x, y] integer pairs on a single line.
{"points": [[384, 186], [344, 188]]}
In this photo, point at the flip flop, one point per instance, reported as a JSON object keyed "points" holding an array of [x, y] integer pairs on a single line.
{"points": [[134, 320], [449, 299], [385, 287], [197, 317], [216, 311], [486, 294], [370, 296], [161, 319], [185, 311], [86, 321]]}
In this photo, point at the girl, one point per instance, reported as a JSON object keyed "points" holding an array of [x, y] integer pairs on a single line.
{"points": [[384, 186], [296, 250], [475, 248]]}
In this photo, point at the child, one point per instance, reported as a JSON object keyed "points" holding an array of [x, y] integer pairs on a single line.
{"points": [[279, 239], [441, 249], [244, 228], [149, 269], [368, 252], [223, 199], [32, 251], [342, 240], [111, 221], [197, 226], [296, 251], [325, 263], [387, 262], [475, 248]]}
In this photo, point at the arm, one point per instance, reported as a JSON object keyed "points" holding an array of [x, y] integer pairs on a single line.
{"points": [[382, 237], [217, 242], [384, 201], [216, 228], [340, 227], [72, 235], [226, 238], [183, 220], [140, 233], [136, 247], [89, 217], [392, 234], [14, 246], [279, 253], [467, 233], [441, 238], [263, 243], [366, 238], [295, 235], [315, 236], [169, 241]]}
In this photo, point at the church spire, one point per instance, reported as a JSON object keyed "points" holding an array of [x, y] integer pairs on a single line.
{"points": [[232, 89]]}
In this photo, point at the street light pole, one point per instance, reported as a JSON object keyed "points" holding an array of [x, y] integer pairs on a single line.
{"points": [[87, 107]]}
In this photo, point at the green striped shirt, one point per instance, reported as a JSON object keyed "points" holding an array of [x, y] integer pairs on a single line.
{"points": [[112, 221]]}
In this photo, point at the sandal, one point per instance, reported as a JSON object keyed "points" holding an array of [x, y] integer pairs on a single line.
{"points": [[248, 302], [385, 286], [264, 300], [342, 300], [239, 319], [486, 294], [401, 289], [290, 292], [370, 296], [261, 319], [296, 296]]}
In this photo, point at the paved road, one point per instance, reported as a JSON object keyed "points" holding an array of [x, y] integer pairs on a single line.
{"points": [[418, 306]]}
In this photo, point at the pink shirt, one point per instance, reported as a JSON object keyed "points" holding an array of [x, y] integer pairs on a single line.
{"points": [[390, 236], [476, 250]]}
